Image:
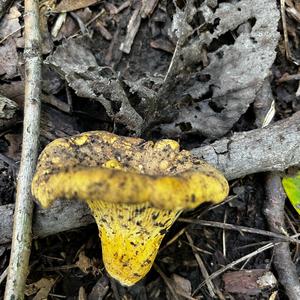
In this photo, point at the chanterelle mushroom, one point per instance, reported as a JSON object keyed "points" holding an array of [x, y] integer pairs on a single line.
{"points": [[135, 190]]}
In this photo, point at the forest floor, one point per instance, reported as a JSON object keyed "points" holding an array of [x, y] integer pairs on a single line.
{"points": [[193, 71]]}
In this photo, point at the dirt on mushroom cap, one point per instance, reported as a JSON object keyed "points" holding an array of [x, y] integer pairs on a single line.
{"points": [[157, 173]]}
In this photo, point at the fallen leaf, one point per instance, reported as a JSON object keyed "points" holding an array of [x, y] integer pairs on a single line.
{"points": [[249, 282], [10, 23], [240, 49], [77, 63], [71, 5], [291, 186], [9, 59], [183, 285], [41, 288], [8, 109], [13, 91], [84, 263], [15, 145]]}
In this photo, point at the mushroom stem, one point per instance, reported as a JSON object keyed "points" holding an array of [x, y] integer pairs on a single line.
{"points": [[130, 237]]}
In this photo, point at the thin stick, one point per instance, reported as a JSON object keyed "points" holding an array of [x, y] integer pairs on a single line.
{"points": [[173, 66], [173, 239], [21, 240], [274, 212], [241, 229], [11, 34], [285, 32], [167, 281], [209, 283], [3, 275], [114, 288], [224, 234]]}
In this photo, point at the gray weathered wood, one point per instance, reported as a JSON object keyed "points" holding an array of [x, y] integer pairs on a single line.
{"points": [[273, 148], [60, 217], [18, 268]]}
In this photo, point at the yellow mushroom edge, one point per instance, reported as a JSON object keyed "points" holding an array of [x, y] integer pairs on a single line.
{"points": [[135, 190]]}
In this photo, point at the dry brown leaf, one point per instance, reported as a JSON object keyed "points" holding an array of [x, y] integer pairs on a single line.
{"points": [[148, 7], [47, 43], [15, 145], [13, 91], [8, 108], [71, 5], [84, 263], [222, 91], [76, 62], [8, 112], [183, 285], [10, 23], [9, 59], [41, 288]]}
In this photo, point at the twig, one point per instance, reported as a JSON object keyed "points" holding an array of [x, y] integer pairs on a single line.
{"points": [[3, 275], [224, 234], [132, 29], [114, 287], [173, 239], [285, 32], [288, 77], [173, 66], [209, 283], [21, 240], [11, 34], [241, 229], [167, 281], [274, 212]]}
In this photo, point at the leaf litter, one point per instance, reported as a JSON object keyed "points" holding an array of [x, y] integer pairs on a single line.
{"points": [[222, 52]]}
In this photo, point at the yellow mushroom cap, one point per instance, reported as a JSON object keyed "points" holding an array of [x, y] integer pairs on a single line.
{"points": [[135, 190]]}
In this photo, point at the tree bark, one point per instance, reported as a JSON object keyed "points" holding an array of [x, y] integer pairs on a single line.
{"points": [[273, 148]]}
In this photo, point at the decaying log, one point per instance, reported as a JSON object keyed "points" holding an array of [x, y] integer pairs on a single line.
{"points": [[272, 148], [60, 217]]}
